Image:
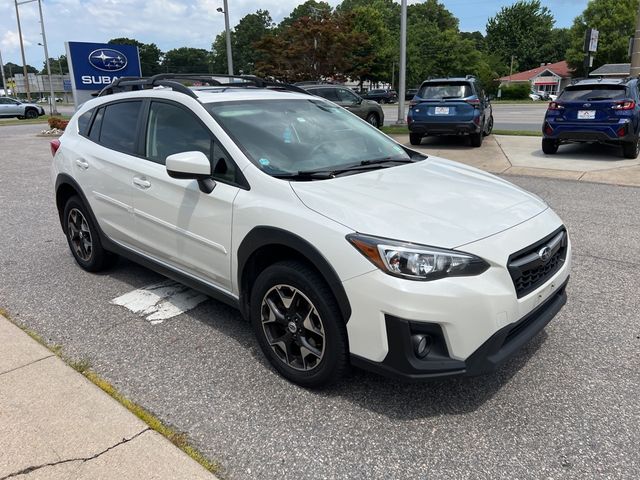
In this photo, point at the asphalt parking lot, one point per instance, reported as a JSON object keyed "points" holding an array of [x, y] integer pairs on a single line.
{"points": [[566, 407]]}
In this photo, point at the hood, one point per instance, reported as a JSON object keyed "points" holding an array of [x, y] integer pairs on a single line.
{"points": [[433, 202]]}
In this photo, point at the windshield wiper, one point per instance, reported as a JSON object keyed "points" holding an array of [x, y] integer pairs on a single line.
{"points": [[364, 165]]}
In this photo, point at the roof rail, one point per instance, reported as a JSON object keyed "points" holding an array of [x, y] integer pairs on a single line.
{"points": [[173, 81]]}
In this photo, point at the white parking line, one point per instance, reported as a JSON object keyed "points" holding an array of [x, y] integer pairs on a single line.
{"points": [[160, 301]]}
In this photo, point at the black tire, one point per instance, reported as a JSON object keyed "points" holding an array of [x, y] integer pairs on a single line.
{"points": [[476, 139], [373, 119], [489, 127], [549, 146], [631, 149], [31, 113], [271, 288], [415, 138], [83, 239]]}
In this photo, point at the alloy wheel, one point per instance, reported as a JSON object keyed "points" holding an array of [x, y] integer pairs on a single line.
{"points": [[293, 327], [80, 235]]}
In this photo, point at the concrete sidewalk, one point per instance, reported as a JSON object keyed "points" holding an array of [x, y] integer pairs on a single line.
{"points": [[515, 155], [55, 424]]}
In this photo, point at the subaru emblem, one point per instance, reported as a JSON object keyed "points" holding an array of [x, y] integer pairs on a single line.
{"points": [[544, 253], [108, 60]]}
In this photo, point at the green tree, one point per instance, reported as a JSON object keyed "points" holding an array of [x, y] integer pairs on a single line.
{"points": [[521, 30], [149, 53], [187, 60], [251, 28], [615, 21], [10, 69], [57, 65], [309, 9]]}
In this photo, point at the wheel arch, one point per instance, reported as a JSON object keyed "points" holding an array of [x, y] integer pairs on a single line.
{"points": [[264, 246], [67, 187]]}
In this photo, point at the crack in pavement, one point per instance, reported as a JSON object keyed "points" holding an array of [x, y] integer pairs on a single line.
{"points": [[26, 365], [27, 470]]}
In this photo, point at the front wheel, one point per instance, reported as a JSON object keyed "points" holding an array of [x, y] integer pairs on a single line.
{"points": [[549, 146], [631, 149], [372, 118], [31, 114], [83, 239], [298, 324]]}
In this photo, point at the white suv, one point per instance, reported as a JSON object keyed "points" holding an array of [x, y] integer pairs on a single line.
{"points": [[341, 246]]}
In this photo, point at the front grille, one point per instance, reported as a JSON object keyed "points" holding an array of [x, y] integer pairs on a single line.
{"points": [[532, 266]]}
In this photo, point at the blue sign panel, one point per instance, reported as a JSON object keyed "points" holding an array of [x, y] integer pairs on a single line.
{"points": [[95, 65], [67, 85]]}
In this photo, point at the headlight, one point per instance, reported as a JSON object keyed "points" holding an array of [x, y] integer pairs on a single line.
{"points": [[416, 262]]}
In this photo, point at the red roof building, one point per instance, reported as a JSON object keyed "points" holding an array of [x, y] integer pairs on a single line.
{"points": [[551, 78]]}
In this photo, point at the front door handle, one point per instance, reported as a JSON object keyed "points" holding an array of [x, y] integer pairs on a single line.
{"points": [[141, 182], [83, 164]]}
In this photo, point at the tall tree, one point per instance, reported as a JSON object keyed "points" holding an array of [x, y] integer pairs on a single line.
{"points": [[187, 60], [615, 20], [58, 65], [149, 54], [10, 69], [310, 9], [521, 30]]}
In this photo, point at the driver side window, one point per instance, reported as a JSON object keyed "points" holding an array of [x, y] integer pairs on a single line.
{"points": [[346, 96]]}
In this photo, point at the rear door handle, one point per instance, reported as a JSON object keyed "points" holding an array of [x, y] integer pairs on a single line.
{"points": [[141, 182], [83, 164]]}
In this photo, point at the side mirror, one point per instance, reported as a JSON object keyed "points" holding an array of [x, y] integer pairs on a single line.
{"points": [[359, 101], [191, 166]]}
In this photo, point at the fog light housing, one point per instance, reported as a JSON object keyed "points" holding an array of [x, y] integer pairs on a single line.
{"points": [[421, 345]]}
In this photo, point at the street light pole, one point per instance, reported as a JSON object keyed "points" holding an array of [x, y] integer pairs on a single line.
{"points": [[635, 49], [403, 62], [52, 97], [24, 61], [4, 80], [228, 35]]}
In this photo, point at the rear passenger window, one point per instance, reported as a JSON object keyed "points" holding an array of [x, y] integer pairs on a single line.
{"points": [[119, 125], [172, 129], [83, 123]]}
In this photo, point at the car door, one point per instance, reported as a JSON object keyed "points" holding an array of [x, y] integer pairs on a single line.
{"points": [[175, 221], [102, 164], [8, 107], [351, 102]]}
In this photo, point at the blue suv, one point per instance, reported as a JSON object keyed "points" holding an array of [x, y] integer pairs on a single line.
{"points": [[598, 110], [450, 106]]}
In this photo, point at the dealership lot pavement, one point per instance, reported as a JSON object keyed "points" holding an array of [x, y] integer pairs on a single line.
{"points": [[566, 407]]}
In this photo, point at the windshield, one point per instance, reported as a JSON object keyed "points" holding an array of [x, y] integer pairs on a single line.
{"points": [[288, 136], [583, 93], [439, 91]]}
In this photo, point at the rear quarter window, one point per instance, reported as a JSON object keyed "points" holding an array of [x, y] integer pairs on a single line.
{"points": [[83, 123]]}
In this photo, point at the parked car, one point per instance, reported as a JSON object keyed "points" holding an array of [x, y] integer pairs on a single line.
{"points": [[381, 96], [599, 110], [341, 246], [534, 96], [345, 97], [10, 107], [410, 93], [450, 106], [541, 94]]}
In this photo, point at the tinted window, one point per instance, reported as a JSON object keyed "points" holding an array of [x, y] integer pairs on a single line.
{"points": [[444, 90], [346, 96], [585, 93], [328, 93], [172, 129], [119, 126], [83, 123], [94, 133]]}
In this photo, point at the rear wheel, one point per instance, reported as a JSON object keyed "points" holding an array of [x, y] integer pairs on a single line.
{"points": [[415, 138], [489, 126], [631, 149], [372, 118], [476, 139], [549, 146], [298, 324]]}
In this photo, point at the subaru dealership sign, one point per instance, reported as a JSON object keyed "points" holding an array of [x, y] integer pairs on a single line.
{"points": [[93, 66]]}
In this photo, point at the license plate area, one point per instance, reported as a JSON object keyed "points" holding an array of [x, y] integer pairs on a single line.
{"points": [[442, 111], [586, 114]]}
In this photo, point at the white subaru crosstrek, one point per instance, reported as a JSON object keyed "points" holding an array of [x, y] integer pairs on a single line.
{"points": [[341, 246]]}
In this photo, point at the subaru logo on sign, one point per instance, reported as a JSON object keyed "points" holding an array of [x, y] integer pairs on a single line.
{"points": [[108, 60]]}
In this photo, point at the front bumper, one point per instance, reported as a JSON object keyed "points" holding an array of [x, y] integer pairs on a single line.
{"points": [[469, 318]]}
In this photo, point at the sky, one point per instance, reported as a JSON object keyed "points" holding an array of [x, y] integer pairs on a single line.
{"points": [[192, 23]]}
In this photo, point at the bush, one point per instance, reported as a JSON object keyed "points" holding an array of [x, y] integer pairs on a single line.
{"points": [[516, 91], [57, 122]]}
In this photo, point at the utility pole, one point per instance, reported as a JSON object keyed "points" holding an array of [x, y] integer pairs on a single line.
{"points": [[4, 80], [635, 50], [24, 61], [228, 35], [52, 97], [402, 80]]}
